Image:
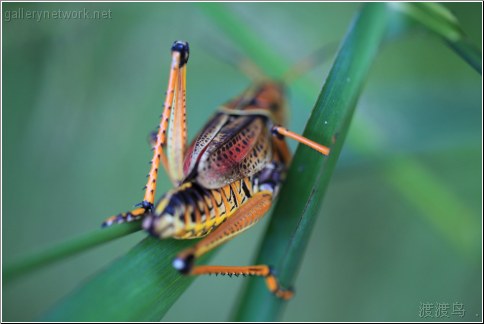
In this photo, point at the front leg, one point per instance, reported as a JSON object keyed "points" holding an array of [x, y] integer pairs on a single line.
{"points": [[284, 132]]}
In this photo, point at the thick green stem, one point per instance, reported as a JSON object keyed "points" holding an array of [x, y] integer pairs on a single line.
{"points": [[290, 228]]}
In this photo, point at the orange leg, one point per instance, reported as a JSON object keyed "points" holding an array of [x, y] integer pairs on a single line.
{"points": [[177, 130], [173, 122], [283, 150], [131, 216], [247, 215], [301, 139], [257, 270]]}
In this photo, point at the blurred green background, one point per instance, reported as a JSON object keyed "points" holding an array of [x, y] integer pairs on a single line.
{"points": [[81, 96]]}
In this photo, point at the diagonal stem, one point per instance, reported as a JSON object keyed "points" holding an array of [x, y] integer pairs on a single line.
{"points": [[67, 249], [289, 230]]}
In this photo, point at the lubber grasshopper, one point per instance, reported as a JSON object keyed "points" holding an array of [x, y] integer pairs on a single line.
{"points": [[226, 180]]}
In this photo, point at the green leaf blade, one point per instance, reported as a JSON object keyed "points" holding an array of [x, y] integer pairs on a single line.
{"points": [[140, 286]]}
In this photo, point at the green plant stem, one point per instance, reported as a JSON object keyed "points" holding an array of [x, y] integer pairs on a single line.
{"points": [[438, 19], [469, 52], [447, 214], [70, 248], [254, 47], [288, 232]]}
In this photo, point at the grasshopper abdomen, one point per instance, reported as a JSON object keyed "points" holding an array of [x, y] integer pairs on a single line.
{"points": [[192, 211]]}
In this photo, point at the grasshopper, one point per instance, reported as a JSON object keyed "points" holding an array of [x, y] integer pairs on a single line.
{"points": [[226, 180]]}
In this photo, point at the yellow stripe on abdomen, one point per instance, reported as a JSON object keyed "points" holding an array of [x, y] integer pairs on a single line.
{"points": [[191, 211]]}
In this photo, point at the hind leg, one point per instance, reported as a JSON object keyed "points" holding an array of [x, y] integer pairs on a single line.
{"points": [[171, 133]]}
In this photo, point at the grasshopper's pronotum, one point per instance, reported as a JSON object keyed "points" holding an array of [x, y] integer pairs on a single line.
{"points": [[226, 180]]}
